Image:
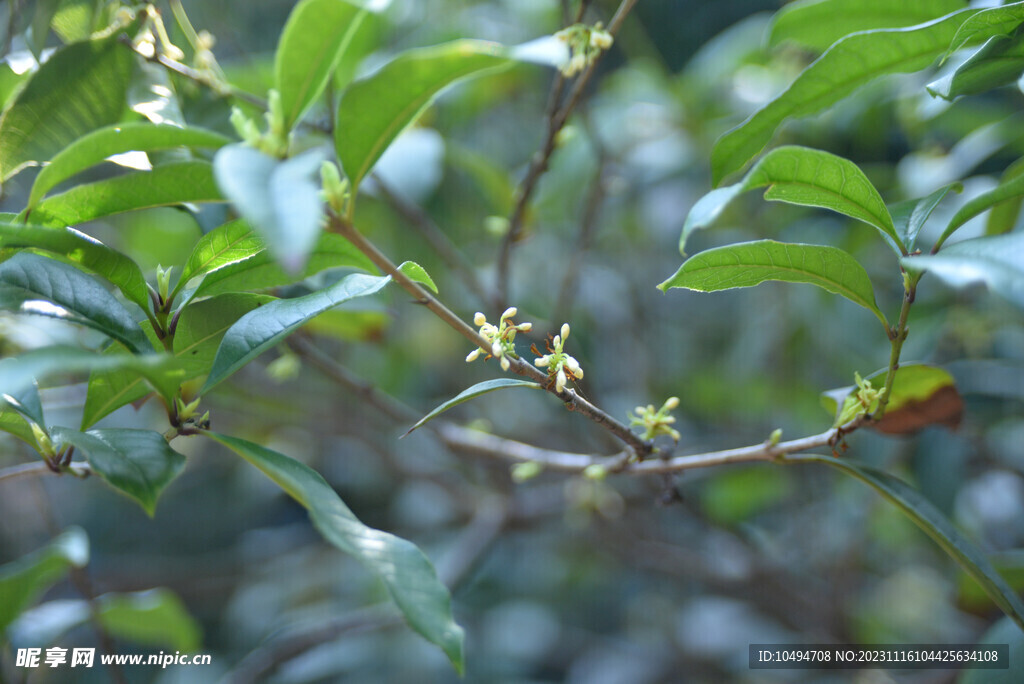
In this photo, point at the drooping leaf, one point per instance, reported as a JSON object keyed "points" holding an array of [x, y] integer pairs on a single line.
{"points": [[472, 393], [817, 24], [999, 62], [921, 511], [849, 64], [922, 395], [374, 110], [910, 216], [80, 88], [997, 262], [156, 617], [138, 463], [165, 185], [24, 401], [994, 21], [312, 45], [224, 245], [1004, 215], [81, 249], [30, 283], [93, 148], [280, 199], [23, 581], [1010, 189], [801, 175], [263, 328], [417, 274], [747, 264], [406, 572]]}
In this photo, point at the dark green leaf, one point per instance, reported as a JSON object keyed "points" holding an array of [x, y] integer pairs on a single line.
{"points": [[26, 278], [224, 245], [261, 329], [819, 23], [801, 175], [23, 581], [1004, 215], [406, 572], [280, 199], [910, 216], [996, 262], [472, 393], [994, 21], [312, 45], [139, 463], [165, 185], [1011, 188], [374, 110], [998, 62], [417, 274], [155, 618], [79, 89], [751, 263], [935, 525], [852, 62], [95, 147], [74, 19], [82, 249]]}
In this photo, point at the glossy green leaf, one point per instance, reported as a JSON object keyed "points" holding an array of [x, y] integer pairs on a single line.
{"points": [[80, 88], [82, 249], [405, 571], [263, 328], [819, 23], [472, 393], [25, 401], [801, 175], [994, 21], [921, 395], [849, 64], [67, 293], [374, 110], [910, 216], [280, 199], [165, 185], [997, 262], [312, 45], [13, 423], [23, 581], [110, 389], [74, 19], [224, 245], [747, 264], [1011, 188], [95, 147], [138, 463], [999, 62], [921, 511], [261, 272], [1004, 215], [417, 274], [155, 618]]}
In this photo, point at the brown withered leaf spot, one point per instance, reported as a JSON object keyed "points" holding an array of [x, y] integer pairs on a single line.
{"points": [[943, 407]]}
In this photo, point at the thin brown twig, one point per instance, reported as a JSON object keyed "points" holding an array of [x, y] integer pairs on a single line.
{"points": [[41, 468]]}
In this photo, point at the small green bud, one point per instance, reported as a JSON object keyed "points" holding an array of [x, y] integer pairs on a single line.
{"points": [[596, 472], [335, 188], [163, 281], [43, 440], [244, 127], [775, 437], [275, 114], [522, 472]]}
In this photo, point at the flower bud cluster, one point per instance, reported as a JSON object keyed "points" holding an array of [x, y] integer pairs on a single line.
{"points": [[656, 422], [561, 366], [501, 337], [585, 44], [274, 141]]}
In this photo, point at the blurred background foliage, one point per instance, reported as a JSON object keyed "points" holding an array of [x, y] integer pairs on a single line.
{"points": [[561, 579]]}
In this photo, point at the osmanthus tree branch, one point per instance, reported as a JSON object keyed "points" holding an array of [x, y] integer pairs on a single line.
{"points": [[40, 468], [638, 447], [557, 115]]}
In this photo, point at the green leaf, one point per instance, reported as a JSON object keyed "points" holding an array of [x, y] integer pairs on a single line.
{"points": [[224, 245], [374, 110], [747, 264], [165, 185], [23, 581], [405, 571], [26, 278], [852, 62], [74, 19], [1011, 188], [910, 216], [81, 87], [985, 24], [82, 249], [280, 199], [139, 463], [312, 46], [999, 62], [921, 511], [155, 618], [996, 262], [472, 393], [25, 400], [14, 423], [263, 328], [417, 274], [95, 147], [801, 175], [819, 23], [261, 272], [1004, 215], [922, 395]]}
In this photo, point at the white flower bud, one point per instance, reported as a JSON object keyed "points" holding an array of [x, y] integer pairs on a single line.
{"points": [[509, 312], [542, 361], [672, 403], [479, 319], [572, 364], [473, 356], [525, 327], [557, 342], [639, 410], [496, 349], [560, 380], [565, 331], [505, 363]]}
